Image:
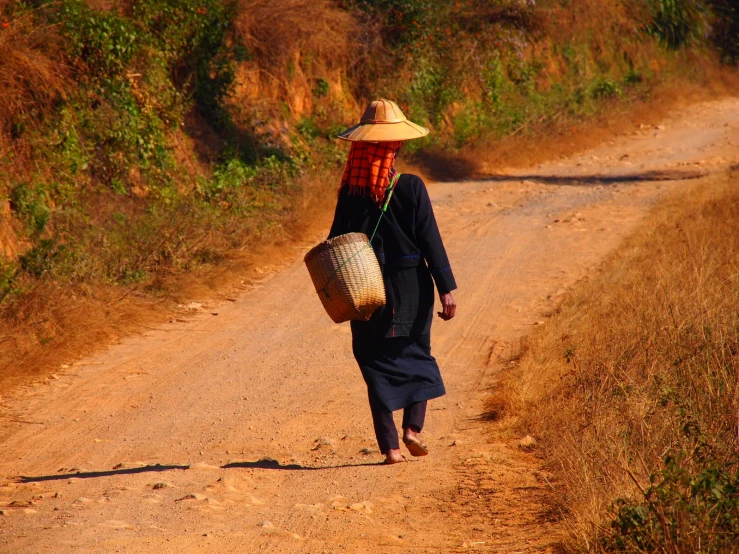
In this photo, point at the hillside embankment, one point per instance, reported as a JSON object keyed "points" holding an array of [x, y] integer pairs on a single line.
{"points": [[146, 147]]}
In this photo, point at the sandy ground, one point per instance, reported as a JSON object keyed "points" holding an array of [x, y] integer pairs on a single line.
{"points": [[244, 427]]}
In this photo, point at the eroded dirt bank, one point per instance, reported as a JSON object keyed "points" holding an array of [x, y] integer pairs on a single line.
{"points": [[245, 428]]}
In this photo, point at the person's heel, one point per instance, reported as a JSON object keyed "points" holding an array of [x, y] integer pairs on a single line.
{"points": [[416, 447]]}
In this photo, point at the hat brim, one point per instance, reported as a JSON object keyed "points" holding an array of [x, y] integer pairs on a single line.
{"points": [[380, 132]]}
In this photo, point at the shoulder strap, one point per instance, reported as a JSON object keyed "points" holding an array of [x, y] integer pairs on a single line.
{"points": [[388, 195]]}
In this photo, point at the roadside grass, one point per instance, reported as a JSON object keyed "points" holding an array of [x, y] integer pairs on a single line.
{"points": [[632, 388], [136, 273], [271, 30]]}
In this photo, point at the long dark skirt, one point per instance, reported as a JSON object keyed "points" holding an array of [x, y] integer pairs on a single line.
{"points": [[399, 370]]}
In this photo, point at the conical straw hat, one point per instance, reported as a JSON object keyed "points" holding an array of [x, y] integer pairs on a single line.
{"points": [[383, 121]]}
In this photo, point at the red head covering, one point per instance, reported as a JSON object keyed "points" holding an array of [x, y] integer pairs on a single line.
{"points": [[369, 168]]}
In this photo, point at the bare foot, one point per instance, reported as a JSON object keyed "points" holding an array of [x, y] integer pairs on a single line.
{"points": [[410, 434], [413, 443], [393, 456]]}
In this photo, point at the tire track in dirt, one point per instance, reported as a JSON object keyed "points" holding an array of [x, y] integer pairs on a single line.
{"points": [[257, 416]]}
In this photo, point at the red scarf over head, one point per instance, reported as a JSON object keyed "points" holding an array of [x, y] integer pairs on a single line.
{"points": [[369, 168]]}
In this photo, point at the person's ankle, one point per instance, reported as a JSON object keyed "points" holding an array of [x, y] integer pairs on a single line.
{"points": [[410, 433]]}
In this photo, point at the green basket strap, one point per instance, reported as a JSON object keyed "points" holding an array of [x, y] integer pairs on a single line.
{"points": [[389, 193]]}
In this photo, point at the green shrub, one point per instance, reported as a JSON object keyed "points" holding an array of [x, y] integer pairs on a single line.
{"points": [[104, 41], [308, 127], [227, 181], [40, 259], [321, 88], [705, 502], [405, 20], [8, 277], [605, 87], [678, 23], [31, 204]]}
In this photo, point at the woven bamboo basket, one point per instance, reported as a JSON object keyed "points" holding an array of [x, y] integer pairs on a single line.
{"points": [[347, 277]]}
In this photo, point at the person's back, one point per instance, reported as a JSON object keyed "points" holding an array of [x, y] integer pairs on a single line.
{"points": [[409, 249]]}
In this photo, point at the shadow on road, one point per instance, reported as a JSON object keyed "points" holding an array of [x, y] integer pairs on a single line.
{"points": [[268, 463], [92, 474], [575, 180]]}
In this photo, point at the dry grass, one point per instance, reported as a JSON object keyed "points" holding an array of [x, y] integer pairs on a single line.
{"points": [[302, 54], [276, 30], [32, 74], [639, 364]]}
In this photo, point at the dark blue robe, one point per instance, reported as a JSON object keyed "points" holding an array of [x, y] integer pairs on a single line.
{"points": [[393, 348]]}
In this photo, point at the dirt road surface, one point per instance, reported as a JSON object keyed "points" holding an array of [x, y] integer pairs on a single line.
{"points": [[244, 427]]}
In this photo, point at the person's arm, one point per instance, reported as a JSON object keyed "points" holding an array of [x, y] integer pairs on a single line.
{"points": [[432, 249]]}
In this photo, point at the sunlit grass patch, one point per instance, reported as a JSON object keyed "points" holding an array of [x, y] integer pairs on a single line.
{"points": [[633, 387]]}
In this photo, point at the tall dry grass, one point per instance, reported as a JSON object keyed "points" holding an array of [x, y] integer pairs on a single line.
{"points": [[300, 66], [32, 73], [274, 30], [633, 387]]}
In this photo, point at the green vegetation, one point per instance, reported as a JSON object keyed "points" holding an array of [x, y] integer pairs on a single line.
{"points": [[678, 23], [691, 510], [149, 138], [476, 70], [109, 202]]}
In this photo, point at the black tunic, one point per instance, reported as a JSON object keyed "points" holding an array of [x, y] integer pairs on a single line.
{"points": [[393, 348]]}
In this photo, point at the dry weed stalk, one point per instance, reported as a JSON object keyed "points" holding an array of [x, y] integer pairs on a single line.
{"points": [[640, 364]]}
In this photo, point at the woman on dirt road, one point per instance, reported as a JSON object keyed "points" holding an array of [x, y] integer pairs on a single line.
{"points": [[393, 348]]}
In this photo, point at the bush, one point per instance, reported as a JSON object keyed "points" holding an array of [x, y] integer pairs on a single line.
{"points": [[725, 29], [31, 205], [678, 23], [605, 87], [682, 511], [104, 42]]}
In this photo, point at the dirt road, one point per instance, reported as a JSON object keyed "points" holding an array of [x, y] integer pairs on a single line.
{"points": [[244, 427]]}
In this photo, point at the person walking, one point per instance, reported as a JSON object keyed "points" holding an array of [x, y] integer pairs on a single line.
{"points": [[393, 348]]}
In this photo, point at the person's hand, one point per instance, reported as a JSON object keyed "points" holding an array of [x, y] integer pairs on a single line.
{"points": [[448, 305]]}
